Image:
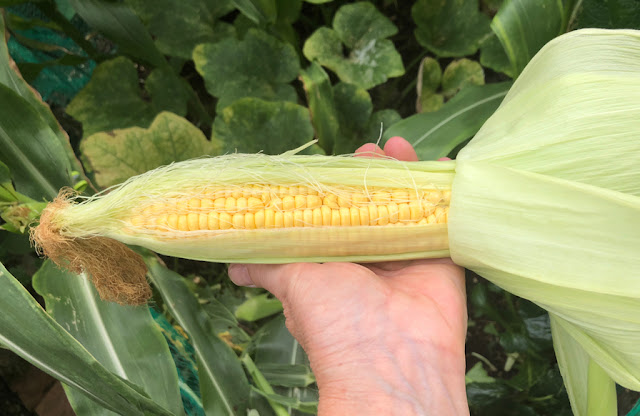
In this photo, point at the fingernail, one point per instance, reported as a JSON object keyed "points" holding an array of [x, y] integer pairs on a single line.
{"points": [[239, 274]]}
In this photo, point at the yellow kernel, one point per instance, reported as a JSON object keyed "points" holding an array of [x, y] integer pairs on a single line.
{"points": [[282, 191], [300, 201], [373, 214], [288, 219], [359, 199], [182, 205], [383, 215], [193, 204], [236, 193], [265, 195], [158, 208], [446, 197], [335, 217], [415, 208], [381, 197], [400, 197], [249, 221], [241, 205], [225, 221], [238, 221], [423, 221], [137, 221], [317, 217], [278, 219], [298, 218], [354, 214], [276, 204], [431, 219], [313, 201], [433, 197], [183, 224], [162, 222], [404, 213], [193, 221], [331, 201], [213, 220], [206, 204], [308, 218], [302, 190], [219, 204], [172, 221], [254, 204], [311, 191], [345, 216], [258, 218], [269, 218], [364, 215], [288, 203], [326, 215], [393, 212], [344, 201], [440, 215], [230, 204]]}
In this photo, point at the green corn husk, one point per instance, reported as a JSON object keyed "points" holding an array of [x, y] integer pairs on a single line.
{"points": [[561, 158], [545, 202]]}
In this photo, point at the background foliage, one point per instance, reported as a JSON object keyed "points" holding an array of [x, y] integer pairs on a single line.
{"points": [[134, 84]]}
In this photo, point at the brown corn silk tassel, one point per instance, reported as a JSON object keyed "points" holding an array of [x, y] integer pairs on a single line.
{"points": [[118, 273]]}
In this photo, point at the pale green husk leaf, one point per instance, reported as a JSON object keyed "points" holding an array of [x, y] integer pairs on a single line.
{"points": [[546, 204]]}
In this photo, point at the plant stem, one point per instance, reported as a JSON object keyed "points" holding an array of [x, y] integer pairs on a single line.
{"points": [[262, 383]]}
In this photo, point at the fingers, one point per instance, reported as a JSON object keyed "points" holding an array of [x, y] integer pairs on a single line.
{"points": [[398, 148], [369, 150], [276, 278]]}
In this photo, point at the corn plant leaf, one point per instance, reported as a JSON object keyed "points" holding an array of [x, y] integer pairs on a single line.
{"points": [[10, 77], [258, 307], [287, 375], [111, 99], [524, 26], [436, 134], [258, 66], [611, 14], [56, 352], [493, 55], [35, 156], [363, 30], [124, 339], [177, 27], [223, 384], [562, 150], [598, 395], [324, 115], [274, 346], [118, 22], [118, 155], [252, 125], [450, 27]]}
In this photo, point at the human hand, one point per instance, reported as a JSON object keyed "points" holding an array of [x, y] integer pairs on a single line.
{"points": [[385, 338]]}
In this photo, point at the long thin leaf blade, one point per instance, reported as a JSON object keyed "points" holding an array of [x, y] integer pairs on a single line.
{"points": [[124, 339], [436, 134], [30, 149], [223, 383], [30, 332]]}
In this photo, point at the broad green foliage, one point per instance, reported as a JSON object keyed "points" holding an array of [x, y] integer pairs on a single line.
{"points": [[434, 85], [178, 27], [258, 66], [115, 156], [363, 30], [460, 74], [112, 99], [609, 14], [450, 28], [252, 125]]}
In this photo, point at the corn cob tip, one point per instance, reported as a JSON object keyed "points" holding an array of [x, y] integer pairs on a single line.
{"points": [[118, 273]]}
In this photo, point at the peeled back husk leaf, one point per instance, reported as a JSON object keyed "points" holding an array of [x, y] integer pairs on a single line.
{"points": [[546, 204]]}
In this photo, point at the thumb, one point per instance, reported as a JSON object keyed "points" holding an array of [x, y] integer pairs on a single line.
{"points": [[276, 278]]}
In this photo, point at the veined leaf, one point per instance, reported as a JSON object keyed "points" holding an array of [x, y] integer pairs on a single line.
{"points": [[436, 134], [224, 386], [30, 332]]}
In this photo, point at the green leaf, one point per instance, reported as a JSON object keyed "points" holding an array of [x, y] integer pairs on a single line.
{"points": [[118, 155], [23, 321], [492, 55], [168, 91], [261, 12], [429, 78], [477, 374], [610, 14], [31, 150], [354, 107], [224, 386], [252, 125], [118, 22], [460, 74], [259, 66], [13, 80], [590, 389], [178, 27], [524, 26], [111, 100], [258, 307], [435, 135], [288, 375], [363, 30], [310, 407], [449, 27], [378, 123], [321, 104], [124, 339]]}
